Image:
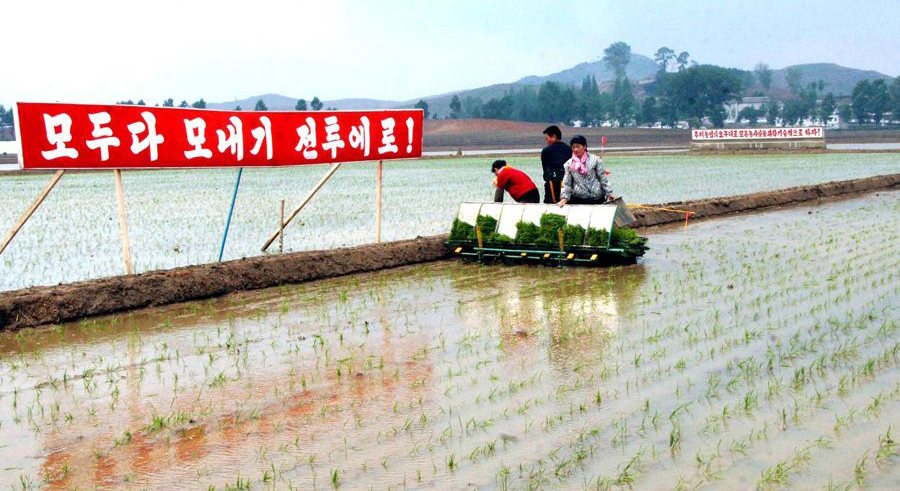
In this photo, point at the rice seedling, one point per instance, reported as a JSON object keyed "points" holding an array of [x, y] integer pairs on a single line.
{"points": [[504, 377]]}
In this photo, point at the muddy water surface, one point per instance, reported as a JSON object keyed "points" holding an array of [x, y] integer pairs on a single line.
{"points": [[756, 351]]}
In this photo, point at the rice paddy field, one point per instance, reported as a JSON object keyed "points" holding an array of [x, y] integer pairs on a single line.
{"points": [[755, 352], [176, 218]]}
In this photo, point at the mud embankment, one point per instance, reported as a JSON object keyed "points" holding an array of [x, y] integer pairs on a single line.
{"points": [[712, 207], [52, 304]]}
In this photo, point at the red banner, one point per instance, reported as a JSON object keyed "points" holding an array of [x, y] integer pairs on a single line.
{"points": [[82, 136]]}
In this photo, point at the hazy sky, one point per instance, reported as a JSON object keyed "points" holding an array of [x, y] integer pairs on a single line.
{"points": [[102, 51]]}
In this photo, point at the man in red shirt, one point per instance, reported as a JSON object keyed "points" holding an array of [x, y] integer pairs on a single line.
{"points": [[515, 182]]}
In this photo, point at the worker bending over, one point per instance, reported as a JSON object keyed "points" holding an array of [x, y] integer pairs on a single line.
{"points": [[515, 182], [585, 180]]}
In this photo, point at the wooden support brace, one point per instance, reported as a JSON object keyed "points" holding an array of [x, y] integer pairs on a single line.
{"points": [[306, 199], [31, 209]]}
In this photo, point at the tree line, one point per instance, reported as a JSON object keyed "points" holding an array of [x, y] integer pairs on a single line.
{"points": [[682, 90], [315, 104]]}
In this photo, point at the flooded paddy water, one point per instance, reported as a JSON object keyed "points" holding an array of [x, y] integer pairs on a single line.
{"points": [[757, 351]]}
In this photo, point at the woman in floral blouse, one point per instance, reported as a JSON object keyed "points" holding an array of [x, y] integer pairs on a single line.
{"points": [[585, 180]]}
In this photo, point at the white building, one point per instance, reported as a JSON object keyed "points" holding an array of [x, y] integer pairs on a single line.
{"points": [[732, 109]]}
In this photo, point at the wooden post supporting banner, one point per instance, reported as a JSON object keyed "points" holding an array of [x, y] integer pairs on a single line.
{"points": [[378, 170], [31, 209], [309, 196], [123, 222], [281, 234]]}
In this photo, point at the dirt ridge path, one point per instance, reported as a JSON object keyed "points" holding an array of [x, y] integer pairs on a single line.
{"points": [[37, 306]]}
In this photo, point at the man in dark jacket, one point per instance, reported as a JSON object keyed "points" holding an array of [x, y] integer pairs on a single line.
{"points": [[553, 156]]}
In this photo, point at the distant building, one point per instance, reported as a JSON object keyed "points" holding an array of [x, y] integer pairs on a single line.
{"points": [[732, 109]]}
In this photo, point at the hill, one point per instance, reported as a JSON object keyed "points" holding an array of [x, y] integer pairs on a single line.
{"points": [[277, 102], [639, 68], [838, 79]]}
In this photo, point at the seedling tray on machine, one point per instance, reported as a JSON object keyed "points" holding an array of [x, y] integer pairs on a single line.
{"points": [[496, 231]]}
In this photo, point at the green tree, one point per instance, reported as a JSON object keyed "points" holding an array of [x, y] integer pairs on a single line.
{"points": [[794, 110], [700, 90], [141, 102], [649, 111], [498, 108], [589, 86], [717, 116], [201, 104], [168, 102], [625, 104], [472, 106], [895, 99], [750, 114], [793, 77], [845, 112], [301, 105], [880, 100], [260, 106], [663, 56], [860, 100], [423, 106], [455, 107], [772, 111], [549, 102], [617, 56], [238, 108], [315, 104], [184, 104], [668, 112], [763, 75], [807, 101], [682, 60], [827, 108]]}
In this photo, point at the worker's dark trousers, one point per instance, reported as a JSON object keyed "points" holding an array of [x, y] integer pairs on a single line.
{"points": [[552, 197], [587, 201], [530, 197]]}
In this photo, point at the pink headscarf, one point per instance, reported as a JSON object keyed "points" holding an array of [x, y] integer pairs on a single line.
{"points": [[578, 164]]}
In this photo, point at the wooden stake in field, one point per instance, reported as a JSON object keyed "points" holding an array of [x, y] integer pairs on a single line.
{"points": [[31, 209], [281, 233], [378, 170], [123, 222], [309, 196]]}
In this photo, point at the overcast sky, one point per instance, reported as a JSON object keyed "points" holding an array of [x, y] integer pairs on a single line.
{"points": [[103, 51]]}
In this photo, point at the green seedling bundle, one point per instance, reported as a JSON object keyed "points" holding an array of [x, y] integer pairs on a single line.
{"points": [[553, 239]]}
